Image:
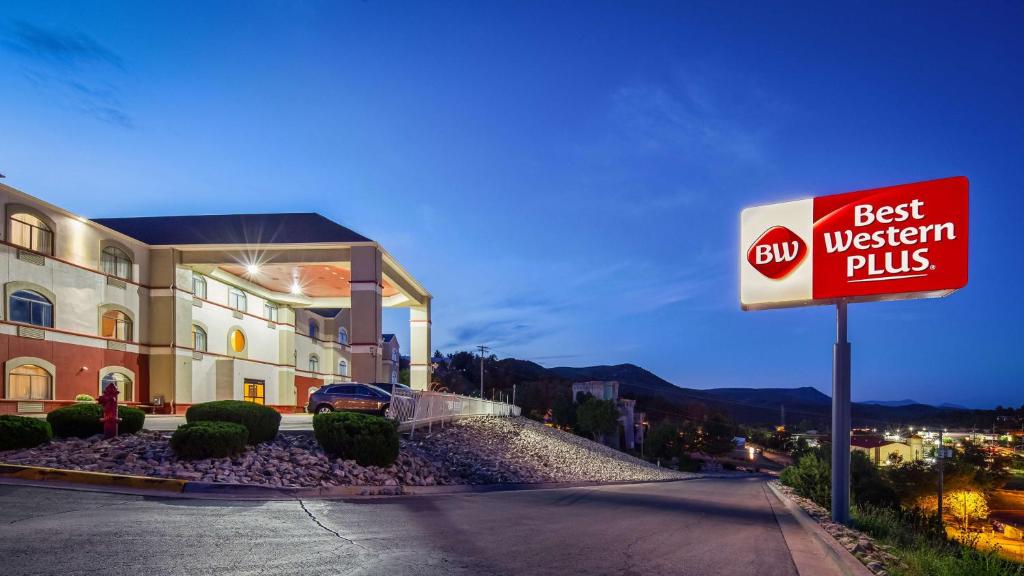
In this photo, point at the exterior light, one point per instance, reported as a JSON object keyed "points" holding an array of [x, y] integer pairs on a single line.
{"points": [[296, 287], [252, 269]]}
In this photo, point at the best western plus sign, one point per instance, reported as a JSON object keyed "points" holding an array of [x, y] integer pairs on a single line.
{"points": [[899, 242]]}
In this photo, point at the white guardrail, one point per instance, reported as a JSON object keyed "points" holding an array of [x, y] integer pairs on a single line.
{"points": [[426, 408]]}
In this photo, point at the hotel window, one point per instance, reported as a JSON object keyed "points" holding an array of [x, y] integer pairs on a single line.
{"points": [[30, 308], [314, 329], [30, 232], [343, 368], [123, 383], [236, 299], [116, 324], [236, 340], [30, 382], [115, 262], [198, 338], [342, 336], [314, 363], [198, 286], [270, 311]]}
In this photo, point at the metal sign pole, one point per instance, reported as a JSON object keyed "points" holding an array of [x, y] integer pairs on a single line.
{"points": [[841, 420]]}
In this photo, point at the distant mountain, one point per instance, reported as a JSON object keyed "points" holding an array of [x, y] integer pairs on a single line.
{"points": [[896, 403], [754, 405], [953, 406]]}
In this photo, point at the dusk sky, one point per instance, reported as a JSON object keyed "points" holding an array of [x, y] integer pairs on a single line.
{"points": [[567, 182]]}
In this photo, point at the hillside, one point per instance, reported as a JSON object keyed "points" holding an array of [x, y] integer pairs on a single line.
{"points": [[539, 388], [753, 405]]}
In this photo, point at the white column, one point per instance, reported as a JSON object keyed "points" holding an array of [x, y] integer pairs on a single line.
{"points": [[419, 346]]}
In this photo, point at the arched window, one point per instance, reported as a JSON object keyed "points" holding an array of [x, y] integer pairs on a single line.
{"points": [[123, 383], [343, 368], [198, 338], [31, 308], [30, 232], [30, 382], [236, 340], [314, 363], [342, 336], [198, 286], [114, 262], [314, 329], [116, 324], [236, 299]]}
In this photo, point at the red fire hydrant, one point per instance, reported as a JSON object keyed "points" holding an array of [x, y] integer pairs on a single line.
{"points": [[109, 402]]}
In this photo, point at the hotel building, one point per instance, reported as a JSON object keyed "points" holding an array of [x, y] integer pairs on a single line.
{"points": [[178, 310]]}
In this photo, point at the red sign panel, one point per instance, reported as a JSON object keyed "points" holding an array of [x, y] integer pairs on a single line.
{"points": [[897, 242]]}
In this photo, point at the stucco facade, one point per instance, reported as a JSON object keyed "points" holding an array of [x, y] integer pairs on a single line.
{"points": [[190, 309]]}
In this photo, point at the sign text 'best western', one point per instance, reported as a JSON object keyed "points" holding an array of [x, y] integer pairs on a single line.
{"points": [[907, 241]]}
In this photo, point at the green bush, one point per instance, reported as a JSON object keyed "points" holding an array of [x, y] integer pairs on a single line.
{"points": [[83, 420], [23, 432], [811, 477], [261, 421], [369, 440], [84, 398], [206, 439], [687, 464]]}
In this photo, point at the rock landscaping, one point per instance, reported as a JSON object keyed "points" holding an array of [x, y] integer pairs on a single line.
{"points": [[494, 450], [472, 451], [876, 557]]}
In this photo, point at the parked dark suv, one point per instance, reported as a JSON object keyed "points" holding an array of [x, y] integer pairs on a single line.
{"points": [[402, 389], [352, 397]]}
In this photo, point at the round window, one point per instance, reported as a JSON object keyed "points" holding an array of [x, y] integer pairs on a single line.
{"points": [[237, 341]]}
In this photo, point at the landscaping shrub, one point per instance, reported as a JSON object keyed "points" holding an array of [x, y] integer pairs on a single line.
{"points": [[83, 420], [206, 439], [369, 440], [687, 464], [84, 398], [22, 432], [261, 421]]}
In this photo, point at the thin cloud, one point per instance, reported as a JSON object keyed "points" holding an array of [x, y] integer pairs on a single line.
{"points": [[72, 67], [70, 49]]}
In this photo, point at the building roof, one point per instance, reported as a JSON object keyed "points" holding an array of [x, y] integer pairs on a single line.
{"points": [[293, 228], [387, 337], [869, 441]]}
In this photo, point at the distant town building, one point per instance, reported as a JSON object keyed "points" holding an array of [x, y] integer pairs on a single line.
{"points": [[883, 452], [390, 357], [631, 422]]}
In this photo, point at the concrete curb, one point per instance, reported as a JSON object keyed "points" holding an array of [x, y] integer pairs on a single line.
{"points": [[844, 561], [121, 483], [38, 474]]}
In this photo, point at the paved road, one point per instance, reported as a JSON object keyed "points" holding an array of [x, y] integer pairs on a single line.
{"points": [[699, 527]]}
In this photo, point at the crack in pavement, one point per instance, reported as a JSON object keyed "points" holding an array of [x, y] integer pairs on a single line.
{"points": [[320, 524]]}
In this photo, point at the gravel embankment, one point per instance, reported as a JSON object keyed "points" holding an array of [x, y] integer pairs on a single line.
{"points": [[472, 451], [494, 450]]}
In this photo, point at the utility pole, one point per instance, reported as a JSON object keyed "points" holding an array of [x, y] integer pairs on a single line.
{"points": [[940, 453], [482, 349]]}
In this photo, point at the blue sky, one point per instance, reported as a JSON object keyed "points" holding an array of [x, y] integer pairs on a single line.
{"points": [[566, 178]]}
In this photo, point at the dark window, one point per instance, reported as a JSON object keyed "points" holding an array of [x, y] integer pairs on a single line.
{"points": [[31, 308], [314, 329]]}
